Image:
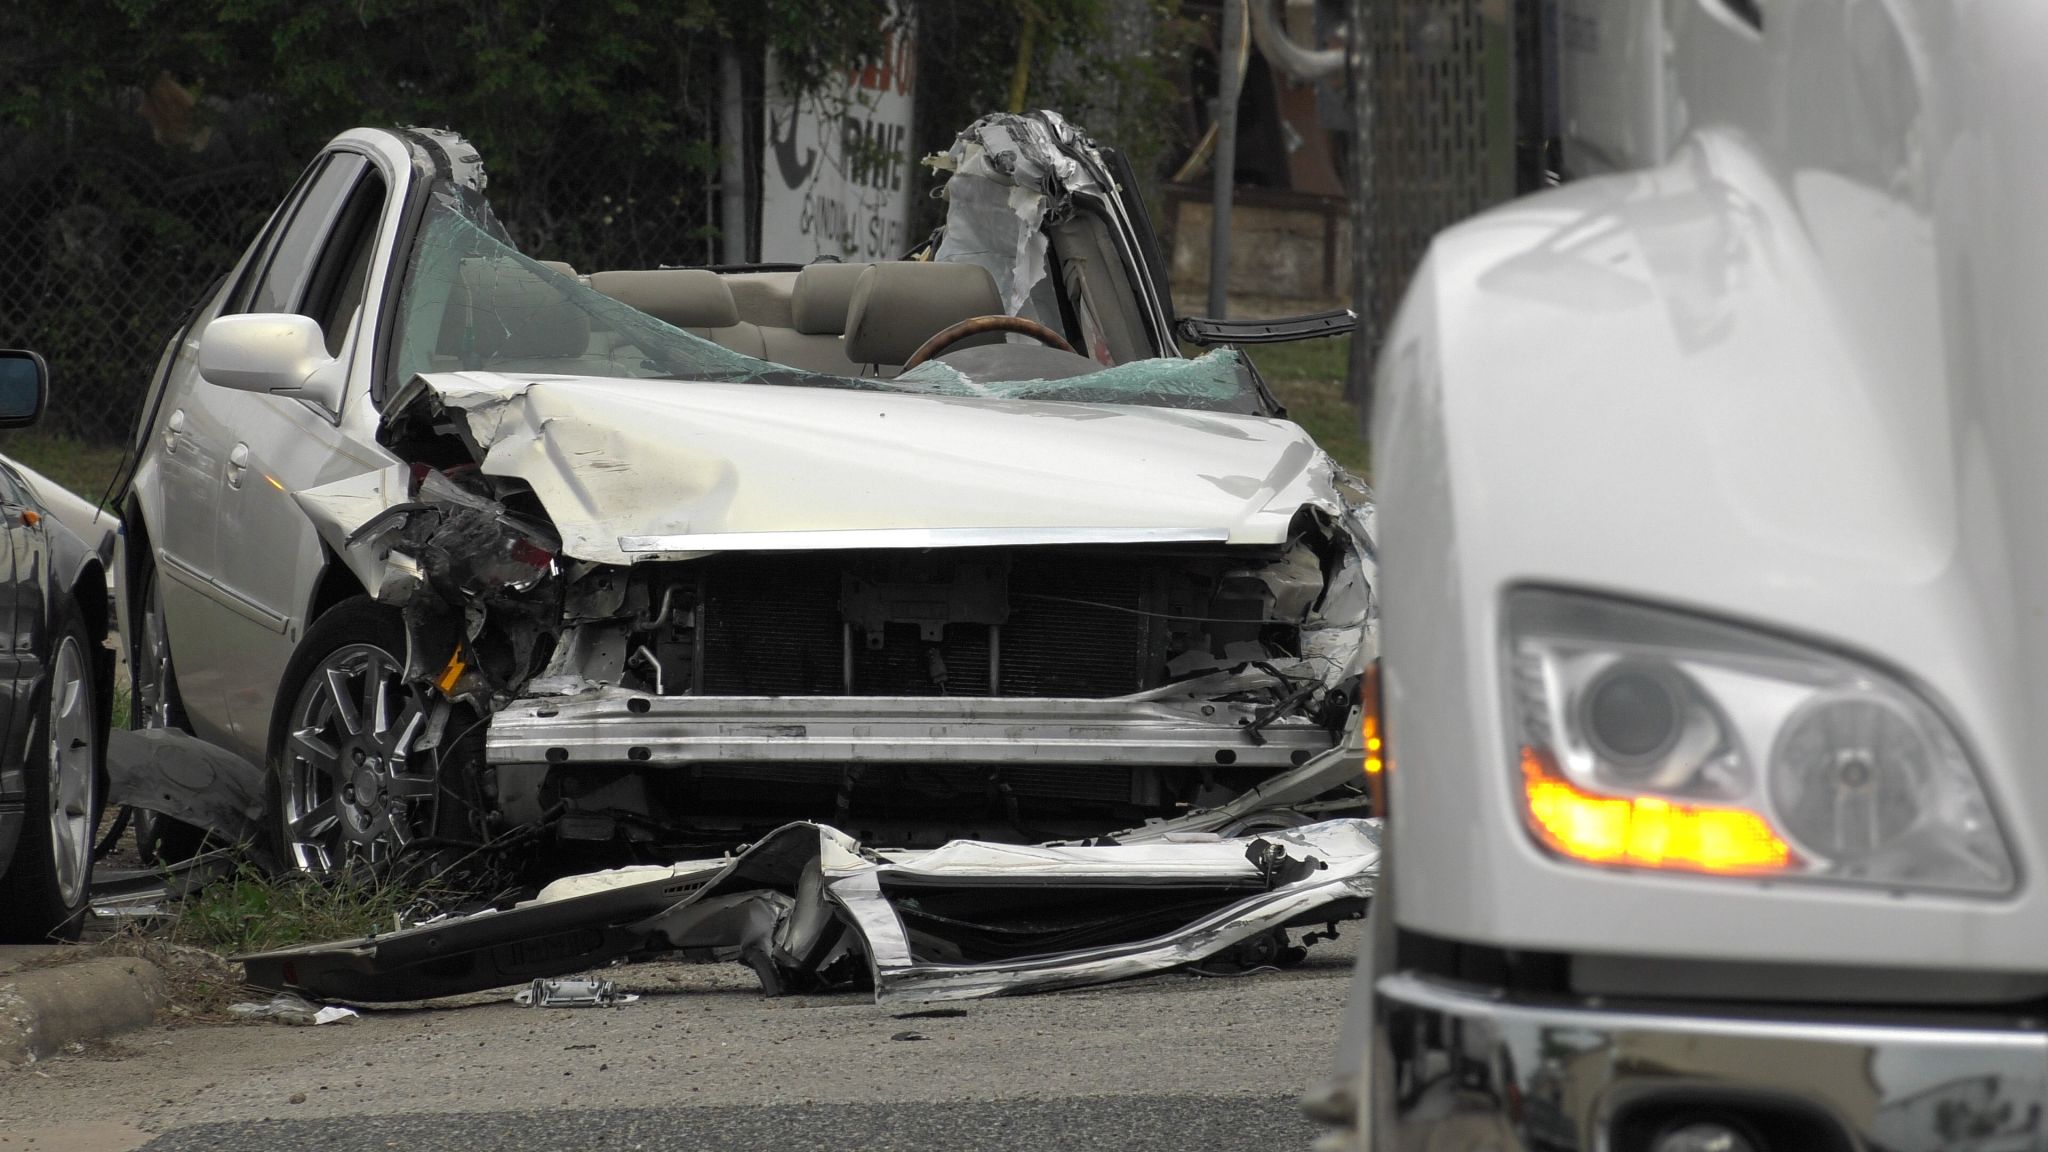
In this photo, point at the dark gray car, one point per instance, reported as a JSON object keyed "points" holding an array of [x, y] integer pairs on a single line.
{"points": [[56, 681]]}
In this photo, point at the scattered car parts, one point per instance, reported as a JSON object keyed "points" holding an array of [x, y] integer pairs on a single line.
{"points": [[808, 908]]}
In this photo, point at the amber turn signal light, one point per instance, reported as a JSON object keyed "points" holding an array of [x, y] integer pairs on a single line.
{"points": [[1645, 831], [1372, 725]]}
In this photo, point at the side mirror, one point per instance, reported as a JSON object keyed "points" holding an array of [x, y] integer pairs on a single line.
{"points": [[276, 353], [24, 385]]}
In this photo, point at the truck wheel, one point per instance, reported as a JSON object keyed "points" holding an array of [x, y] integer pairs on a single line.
{"points": [[156, 704], [48, 886], [344, 783]]}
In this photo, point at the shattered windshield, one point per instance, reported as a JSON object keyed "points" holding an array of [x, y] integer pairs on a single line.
{"points": [[473, 302]]}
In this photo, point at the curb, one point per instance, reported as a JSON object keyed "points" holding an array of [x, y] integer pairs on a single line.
{"points": [[42, 1010]]}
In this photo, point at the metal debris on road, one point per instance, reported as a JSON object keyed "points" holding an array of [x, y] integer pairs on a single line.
{"points": [[572, 994], [809, 909]]}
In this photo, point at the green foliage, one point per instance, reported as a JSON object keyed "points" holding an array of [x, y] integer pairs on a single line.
{"points": [[144, 142], [546, 88], [1324, 359], [83, 467], [254, 912]]}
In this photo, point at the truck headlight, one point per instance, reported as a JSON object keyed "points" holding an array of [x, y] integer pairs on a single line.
{"points": [[1652, 738]]}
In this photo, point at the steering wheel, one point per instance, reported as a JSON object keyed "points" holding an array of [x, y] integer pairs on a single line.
{"points": [[977, 326]]}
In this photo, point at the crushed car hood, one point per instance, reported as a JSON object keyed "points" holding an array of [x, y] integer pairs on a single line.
{"points": [[641, 469]]}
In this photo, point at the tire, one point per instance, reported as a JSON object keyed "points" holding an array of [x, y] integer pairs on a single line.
{"points": [[159, 839], [48, 886], [343, 787]]}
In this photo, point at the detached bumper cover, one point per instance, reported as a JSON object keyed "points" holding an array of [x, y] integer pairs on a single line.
{"points": [[809, 908], [1458, 1067]]}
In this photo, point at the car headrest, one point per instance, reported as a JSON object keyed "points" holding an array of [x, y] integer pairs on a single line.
{"points": [[899, 305], [683, 297], [823, 294], [513, 314]]}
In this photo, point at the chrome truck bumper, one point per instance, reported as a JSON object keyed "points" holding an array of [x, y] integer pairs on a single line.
{"points": [[1454, 1067]]}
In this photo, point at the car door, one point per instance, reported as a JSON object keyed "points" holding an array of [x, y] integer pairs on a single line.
{"points": [[206, 620], [187, 453], [16, 638], [22, 642], [269, 555]]}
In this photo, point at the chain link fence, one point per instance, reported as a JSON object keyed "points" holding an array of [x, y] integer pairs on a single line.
{"points": [[103, 252], [104, 249], [101, 255]]}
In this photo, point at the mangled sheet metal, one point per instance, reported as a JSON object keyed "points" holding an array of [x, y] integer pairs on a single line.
{"points": [[636, 470], [1011, 175], [658, 592], [181, 776], [808, 908]]}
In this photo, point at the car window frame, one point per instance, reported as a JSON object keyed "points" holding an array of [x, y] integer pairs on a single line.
{"points": [[368, 226], [294, 298], [257, 258], [418, 196]]}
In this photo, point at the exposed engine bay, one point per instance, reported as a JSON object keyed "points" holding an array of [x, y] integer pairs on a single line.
{"points": [[1023, 692]]}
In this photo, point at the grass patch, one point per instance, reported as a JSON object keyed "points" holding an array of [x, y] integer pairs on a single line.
{"points": [[82, 466], [253, 912], [1308, 377], [1328, 358]]}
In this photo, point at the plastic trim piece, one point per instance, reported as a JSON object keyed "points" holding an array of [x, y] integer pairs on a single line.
{"points": [[1206, 331]]}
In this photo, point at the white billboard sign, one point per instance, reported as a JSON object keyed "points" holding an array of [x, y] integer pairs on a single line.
{"points": [[839, 165]]}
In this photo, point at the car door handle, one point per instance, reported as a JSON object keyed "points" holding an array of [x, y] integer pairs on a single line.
{"points": [[238, 461], [173, 429]]}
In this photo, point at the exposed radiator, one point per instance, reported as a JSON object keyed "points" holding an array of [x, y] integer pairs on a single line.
{"points": [[1080, 624]]}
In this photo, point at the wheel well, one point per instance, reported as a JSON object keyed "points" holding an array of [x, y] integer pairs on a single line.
{"points": [[139, 552], [89, 592], [337, 583], [95, 608]]}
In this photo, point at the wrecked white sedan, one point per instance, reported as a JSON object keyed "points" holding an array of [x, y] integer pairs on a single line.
{"points": [[464, 547]]}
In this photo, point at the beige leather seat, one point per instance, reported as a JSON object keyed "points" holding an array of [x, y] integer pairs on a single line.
{"points": [[898, 306], [693, 299], [818, 305], [763, 298]]}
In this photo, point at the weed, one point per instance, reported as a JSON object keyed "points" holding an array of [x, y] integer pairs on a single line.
{"points": [[251, 911], [199, 984]]}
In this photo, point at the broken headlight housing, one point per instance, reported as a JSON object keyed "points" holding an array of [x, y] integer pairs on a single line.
{"points": [[1654, 739]]}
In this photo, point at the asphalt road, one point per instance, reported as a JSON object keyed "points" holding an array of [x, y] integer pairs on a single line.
{"points": [[705, 1061]]}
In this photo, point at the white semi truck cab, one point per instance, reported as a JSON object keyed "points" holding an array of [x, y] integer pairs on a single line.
{"points": [[1714, 543]]}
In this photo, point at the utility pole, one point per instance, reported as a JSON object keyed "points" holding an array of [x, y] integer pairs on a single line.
{"points": [[1230, 66], [732, 157]]}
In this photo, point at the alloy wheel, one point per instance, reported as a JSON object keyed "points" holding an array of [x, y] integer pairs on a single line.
{"points": [[152, 676], [350, 790], [71, 734]]}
